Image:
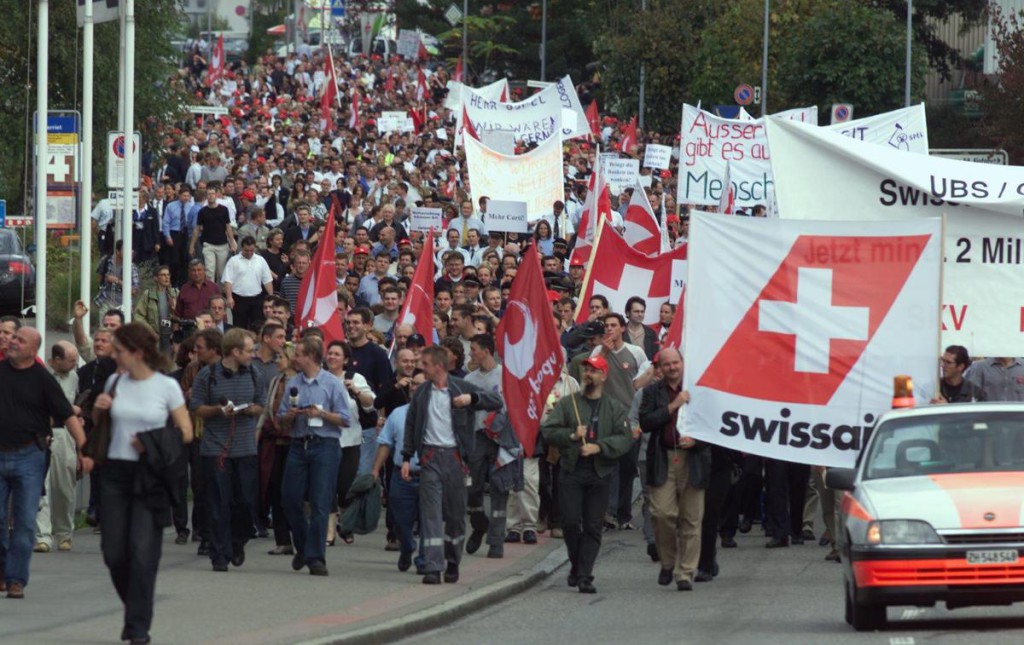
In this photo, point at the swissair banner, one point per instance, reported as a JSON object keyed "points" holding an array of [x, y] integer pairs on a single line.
{"points": [[709, 142], [536, 119], [983, 290], [534, 177], [796, 359]]}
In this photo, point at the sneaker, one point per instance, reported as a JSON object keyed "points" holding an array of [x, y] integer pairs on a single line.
{"points": [[65, 545], [282, 549], [451, 574], [513, 537], [432, 578], [496, 551], [777, 543], [41, 547], [825, 540], [797, 540], [627, 526], [529, 537], [182, 538], [16, 590]]}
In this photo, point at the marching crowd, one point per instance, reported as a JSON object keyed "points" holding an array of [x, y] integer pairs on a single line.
{"points": [[213, 392]]}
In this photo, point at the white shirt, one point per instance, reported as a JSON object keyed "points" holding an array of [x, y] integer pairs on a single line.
{"points": [[247, 276], [139, 406], [229, 204], [103, 213], [353, 434], [439, 432]]}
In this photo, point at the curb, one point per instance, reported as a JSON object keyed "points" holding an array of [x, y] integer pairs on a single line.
{"points": [[449, 611]]}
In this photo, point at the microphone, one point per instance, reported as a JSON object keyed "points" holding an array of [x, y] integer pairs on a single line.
{"points": [[293, 398]]}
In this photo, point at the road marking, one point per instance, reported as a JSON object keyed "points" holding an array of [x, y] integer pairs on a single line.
{"points": [[901, 640]]}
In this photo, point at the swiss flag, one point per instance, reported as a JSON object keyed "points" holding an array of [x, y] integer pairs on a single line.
{"points": [[596, 207], [531, 353], [629, 139], [812, 321], [674, 335], [317, 303], [329, 96], [421, 86], [418, 309], [624, 272], [457, 76], [642, 230], [217, 62], [353, 117], [594, 119]]}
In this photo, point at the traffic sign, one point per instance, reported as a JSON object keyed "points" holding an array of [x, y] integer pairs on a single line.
{"points": [[841, 112], [994, 156], [115, 158], [453, 15], [63, 149], [744, 94], [3, 212], [337, 8]]}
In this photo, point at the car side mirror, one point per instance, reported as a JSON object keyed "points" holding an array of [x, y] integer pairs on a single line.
{"points": [[840, 478]]}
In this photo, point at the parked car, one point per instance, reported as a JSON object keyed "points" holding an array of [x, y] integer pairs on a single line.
{"points": [[933, 511], [17, 274]]}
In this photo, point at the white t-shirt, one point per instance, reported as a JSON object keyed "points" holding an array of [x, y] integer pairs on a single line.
{"points": [[139, 406], [353, 434]]}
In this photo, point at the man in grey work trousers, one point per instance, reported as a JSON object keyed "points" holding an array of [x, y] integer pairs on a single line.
{"points": [[439, 428]]}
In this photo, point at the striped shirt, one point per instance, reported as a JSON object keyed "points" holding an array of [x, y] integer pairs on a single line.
{"points": [[234, 435]]}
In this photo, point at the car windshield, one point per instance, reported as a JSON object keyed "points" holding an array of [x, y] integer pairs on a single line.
{"points": [[947, 443], [9, 243]]}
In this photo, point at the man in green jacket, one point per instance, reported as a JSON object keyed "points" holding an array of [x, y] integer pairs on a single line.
{"points": [[592, 432]]}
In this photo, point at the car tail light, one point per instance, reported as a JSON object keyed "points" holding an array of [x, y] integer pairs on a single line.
{"points": [[19, 268]]}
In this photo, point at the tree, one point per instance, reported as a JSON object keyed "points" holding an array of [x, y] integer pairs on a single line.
{"points": [[666, 47], [1002, 97], [157, 100], [846, 52], [929, 13]]}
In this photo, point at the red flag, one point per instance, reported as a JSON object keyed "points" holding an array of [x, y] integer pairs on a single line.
{"points": [[329, 96], [467, 125], [317, 303], [457, 76], [216, 71], [418, 309], [421, 86], [727, 203], [531, 354], [598, 201], [594, 119], [624, 272], [641, 225], [628, 137], [353, 118], [389, 84], [674, 335]]}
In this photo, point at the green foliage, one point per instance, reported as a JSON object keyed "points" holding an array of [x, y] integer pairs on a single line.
{"points": [[156, 100], [927, 15], [1003, 99]]}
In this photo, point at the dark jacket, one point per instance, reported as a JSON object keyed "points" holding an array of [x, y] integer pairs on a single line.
{"points": [[654, 415], [462, 418], [507, 477], [613, 435], [650, 344], [159, 470]]}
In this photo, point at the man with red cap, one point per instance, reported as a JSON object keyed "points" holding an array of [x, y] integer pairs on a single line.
{"points": [[591, 432]]}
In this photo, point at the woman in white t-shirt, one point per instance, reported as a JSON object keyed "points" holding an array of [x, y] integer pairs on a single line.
{"points": [[139, 399]]}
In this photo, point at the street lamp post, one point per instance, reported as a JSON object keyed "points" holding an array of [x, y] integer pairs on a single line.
{"points": [[764, 64], [910, 38]]}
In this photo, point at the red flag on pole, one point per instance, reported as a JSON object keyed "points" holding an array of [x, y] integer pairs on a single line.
{"points": [[594, 119], [597, 206], [457, 76], [421, 86], [317, 303], [727, 203], [531, 354], [674, 335], [642, 231], [628, 137], [329, 95], [418, 309], [353, 118], [216, 62]]}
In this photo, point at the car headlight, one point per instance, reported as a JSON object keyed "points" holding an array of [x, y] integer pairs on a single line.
{"points": [[901, 532]]}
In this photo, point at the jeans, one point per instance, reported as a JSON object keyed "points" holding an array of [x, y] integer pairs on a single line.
{"points": [[131, 544], [311, 466], [583, 496], [403, 502], [22, 472], [368, 450], [231, 497]]}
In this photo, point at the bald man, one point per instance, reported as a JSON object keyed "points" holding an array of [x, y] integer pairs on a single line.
{"points": [[29, 397], [55, 523]]}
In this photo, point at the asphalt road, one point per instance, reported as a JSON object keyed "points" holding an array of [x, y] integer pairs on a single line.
{"points": [[789, 596]]}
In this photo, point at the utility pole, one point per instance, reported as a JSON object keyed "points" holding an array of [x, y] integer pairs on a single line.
{"points": [[42, 161], [643, 83], [764, 64], [543, 40], [128, 132], [85, 243], [910, 39]]}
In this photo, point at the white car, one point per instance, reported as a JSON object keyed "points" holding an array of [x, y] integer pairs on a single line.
{"points": [[934, 511]]}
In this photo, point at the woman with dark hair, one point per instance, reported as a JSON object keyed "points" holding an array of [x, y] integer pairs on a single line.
{"points": [[543, 238], [456, 356], [355, 444], [135, 496]]}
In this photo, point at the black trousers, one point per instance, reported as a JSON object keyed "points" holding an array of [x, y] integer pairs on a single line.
{"points": [[584, 499], [627, 473], [485, 452], [248, 311], [347, 471], [191, 475], [131, 545], [282, 534], [550, 511], [231, 485], [786, 490], [714, 503], [750, 486], [176, 256]]}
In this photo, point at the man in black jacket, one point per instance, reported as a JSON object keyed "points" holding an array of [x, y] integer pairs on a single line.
{"points": [[677, 472], [439, 428]]}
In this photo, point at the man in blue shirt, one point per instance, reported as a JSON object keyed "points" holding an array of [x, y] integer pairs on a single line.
{"points": [[403, 496], [315, 407], [173, 231]]}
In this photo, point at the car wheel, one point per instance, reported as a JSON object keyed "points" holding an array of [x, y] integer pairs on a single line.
{"points": [[864, 617]]}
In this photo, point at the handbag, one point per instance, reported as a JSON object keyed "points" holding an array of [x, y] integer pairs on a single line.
{"points": [[98, 442]]}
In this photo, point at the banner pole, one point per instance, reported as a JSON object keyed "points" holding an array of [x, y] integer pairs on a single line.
{"points": [[942, 278]]}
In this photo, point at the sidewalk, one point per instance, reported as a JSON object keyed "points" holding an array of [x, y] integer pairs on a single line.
{"points": [[365, 598]]}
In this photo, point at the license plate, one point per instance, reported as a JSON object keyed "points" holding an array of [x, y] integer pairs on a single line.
{"points": [[1009, 556]]}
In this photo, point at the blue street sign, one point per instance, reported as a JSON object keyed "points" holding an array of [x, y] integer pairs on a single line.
{"points": [[337, 8], [3, 212]]}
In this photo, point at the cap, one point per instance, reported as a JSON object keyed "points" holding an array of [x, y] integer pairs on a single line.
{"points": [[405, 242], [592, 329], [361, 249], [554, 296], [248, 196], [598, 363], [672, 218], [560, 241], [576, 261]]}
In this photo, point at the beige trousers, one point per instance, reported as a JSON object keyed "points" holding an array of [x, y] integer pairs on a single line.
{"points": [[677, 509]]}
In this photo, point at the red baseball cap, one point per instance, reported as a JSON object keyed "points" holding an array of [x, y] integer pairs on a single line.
{"points": [[576, 261], [361, 249], [553, 296], [598, 363]]}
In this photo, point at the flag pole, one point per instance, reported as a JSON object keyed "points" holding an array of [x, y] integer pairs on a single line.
{"points": [[590, 268], [334, 75]]}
